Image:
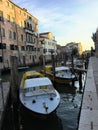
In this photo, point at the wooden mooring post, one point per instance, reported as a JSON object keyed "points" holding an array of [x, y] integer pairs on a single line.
{"points": [[14, 79], [14, 86], [2, 94], [53, 65], [80, 81]]}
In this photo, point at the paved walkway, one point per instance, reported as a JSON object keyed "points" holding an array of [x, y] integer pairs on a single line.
{"points": [[4, 90], [89, 109]]}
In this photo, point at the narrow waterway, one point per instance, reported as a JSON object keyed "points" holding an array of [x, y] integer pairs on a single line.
{"points": [[67, 114]]}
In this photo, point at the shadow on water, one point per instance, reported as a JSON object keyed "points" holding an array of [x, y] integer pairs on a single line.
{"points": [[51, 123]]}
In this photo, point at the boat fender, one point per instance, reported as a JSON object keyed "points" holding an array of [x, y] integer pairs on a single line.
{"points": [[33, 101]]}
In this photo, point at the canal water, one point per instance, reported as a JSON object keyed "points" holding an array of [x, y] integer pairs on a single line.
{"points": [[65, 118]]}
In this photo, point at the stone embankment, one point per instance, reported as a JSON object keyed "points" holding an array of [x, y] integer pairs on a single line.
{"points": [[89, 109]]}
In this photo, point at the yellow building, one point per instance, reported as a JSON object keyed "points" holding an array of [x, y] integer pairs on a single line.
{"points": [[80, 51], [18, 34]]}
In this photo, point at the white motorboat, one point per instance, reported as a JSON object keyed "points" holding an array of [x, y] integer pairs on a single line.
{"points": [[63, 74], [39, 96]]}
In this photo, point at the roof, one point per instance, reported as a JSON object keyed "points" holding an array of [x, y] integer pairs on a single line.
{"points": [[31, 73], [34, 82]]}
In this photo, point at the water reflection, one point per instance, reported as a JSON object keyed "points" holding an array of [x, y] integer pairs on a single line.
{"points": [[68, 110]]}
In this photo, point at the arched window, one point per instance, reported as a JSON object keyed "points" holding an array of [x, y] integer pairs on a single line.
{"points": [[27, 25], [30, 27]]}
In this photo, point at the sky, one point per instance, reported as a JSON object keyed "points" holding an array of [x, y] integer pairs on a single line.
{"points": [[68, 20]]}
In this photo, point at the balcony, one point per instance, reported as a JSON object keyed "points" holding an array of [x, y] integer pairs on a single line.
{"points": [[28, 31]]}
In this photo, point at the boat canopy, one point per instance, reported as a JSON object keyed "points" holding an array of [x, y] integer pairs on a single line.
{"points": [[61, 68], [31, 74], [29, 83]]}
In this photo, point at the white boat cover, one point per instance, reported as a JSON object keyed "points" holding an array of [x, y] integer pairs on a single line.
{"points": [[61, 68], [34, 82]]}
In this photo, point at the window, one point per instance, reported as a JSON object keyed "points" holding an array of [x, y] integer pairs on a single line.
{"points": [[30, 48], [4, 45], [33, 48], [11, 47], [24, 24], [7, 3], [30, 27], [24, 14], [8, 18], [1, 15], [3, 32], [27, 25], [12, 7], [29, 18], [1, 59], [14, 35], [15, 47], [28, 38], [22, 48], [27, 47], [31, 38], [21, 37], [20, 11], [10, 34], [43, 87], [13, 21], [1, 46]]}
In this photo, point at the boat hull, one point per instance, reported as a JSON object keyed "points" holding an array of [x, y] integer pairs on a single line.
{"points": [[35, 115], [35, 107], [59, 80], [38, 96]]}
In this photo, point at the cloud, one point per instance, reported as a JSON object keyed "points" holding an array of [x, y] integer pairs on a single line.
{"points": [[68, 20]]}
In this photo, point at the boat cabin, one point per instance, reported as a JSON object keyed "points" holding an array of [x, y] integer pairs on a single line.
{"points": [[37, 86]]}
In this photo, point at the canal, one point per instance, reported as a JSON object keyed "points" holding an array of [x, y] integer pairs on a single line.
{"points": [[66, 117]]}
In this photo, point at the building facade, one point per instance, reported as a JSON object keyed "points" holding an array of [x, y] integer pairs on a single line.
{"points": [[71, 46], [49, 45], [95, 40], [18, 35]]}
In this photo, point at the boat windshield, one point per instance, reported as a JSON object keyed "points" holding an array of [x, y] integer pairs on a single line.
{"points": [[32, 76], [39, 90]]}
